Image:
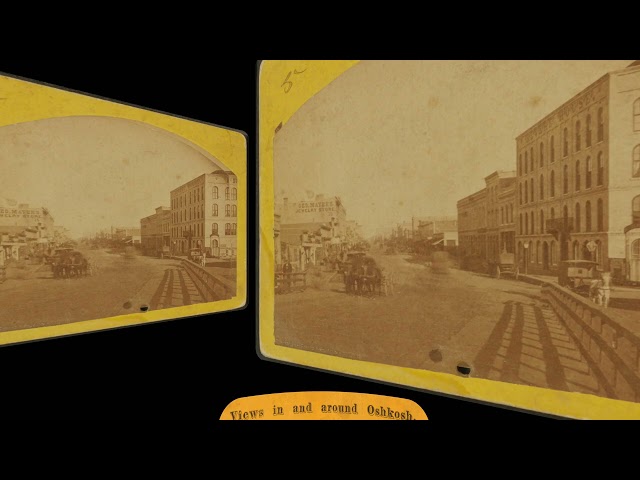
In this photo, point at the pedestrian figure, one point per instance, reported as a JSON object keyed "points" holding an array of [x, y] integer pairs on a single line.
{"points": [[287, 270], [204, 259]]}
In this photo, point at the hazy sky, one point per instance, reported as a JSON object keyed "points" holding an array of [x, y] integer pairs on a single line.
{"points": [[95, 172], [396, 139]]}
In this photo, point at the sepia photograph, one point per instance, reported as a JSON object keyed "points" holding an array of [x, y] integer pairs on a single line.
{"points": [[474, 218], [103, 216]]}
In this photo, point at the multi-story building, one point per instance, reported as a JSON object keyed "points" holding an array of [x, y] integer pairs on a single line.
{"points": [[315, 230], [321, 210], [154, 232], [578, 180], [24, 230], [485, 218], [204, 215], [435, 233]]}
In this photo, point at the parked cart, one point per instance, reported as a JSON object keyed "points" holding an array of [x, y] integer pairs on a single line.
{"points": [[505, 265]]}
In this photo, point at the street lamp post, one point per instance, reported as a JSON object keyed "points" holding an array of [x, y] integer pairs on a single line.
{"points": [[526, 257]]}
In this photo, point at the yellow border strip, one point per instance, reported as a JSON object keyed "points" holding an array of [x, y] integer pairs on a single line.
{"points": [[24, 101], [277, 107]]}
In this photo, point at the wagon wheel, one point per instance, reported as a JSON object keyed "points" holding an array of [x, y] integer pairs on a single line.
{"points": [[517, 273], [497, 272]]}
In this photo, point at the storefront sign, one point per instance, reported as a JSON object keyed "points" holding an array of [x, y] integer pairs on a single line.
{"points": [[21, 212], [314, 207]]}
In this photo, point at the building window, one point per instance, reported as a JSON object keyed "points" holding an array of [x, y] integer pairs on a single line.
{"points": [[636, 161], [600, 169], [587, 217], [541, 187], [501, 215], [636, 115], [542, 230], [214, 193], [565, 217], [565, 142], [635, 209], [533, 223], [532, 190], [600, 216], [588, 132], [511, 213], [233, 228], [521, 231], [227, 210], [214, 229], [600, 124], [227, 229], [520, 194], [552, 149], [541, 154], [552, 214], [577, 221], [214, 211], [234, 211], [552, 184], [526, 192], [526, 224], [587, 176], [577, 175], [565, 179], [578, 146], [234, 194], [520, 165], [226, 193], [526, 162], [531, 159]]}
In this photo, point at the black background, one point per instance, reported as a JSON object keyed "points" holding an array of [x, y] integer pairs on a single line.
{"points": [[180, 373]]}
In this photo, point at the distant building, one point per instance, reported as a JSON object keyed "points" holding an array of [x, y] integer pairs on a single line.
{"points": [[127, 235], [315, 230], [154, 232], [24, 230], [579, 180], [305, 244], [204, 215], [485, 218]]}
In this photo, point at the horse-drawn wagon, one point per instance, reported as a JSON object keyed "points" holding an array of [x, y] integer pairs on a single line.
{"points": [[577, 275], [363, 276], [70, 264], [505, 264]]}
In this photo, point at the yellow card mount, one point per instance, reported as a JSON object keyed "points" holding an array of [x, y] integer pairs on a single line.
{"points": [[113, 215]]}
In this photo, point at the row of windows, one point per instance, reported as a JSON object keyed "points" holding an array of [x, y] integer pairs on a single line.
{"points": [[527, 188], [197, 195], [501, 216], [228, 194], [529, 155], [529, 162], [545, 253], [528, 226], [229, 229], [506, 214], [194, 195], [196, 213]]}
